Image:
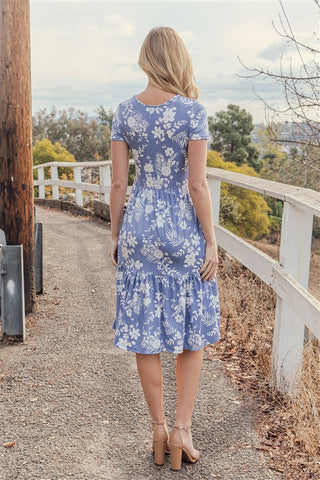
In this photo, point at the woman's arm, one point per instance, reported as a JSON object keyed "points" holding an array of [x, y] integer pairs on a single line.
{"points": [[200, 195], [119, 182]]}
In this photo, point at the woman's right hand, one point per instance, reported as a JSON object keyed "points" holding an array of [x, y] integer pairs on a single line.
{"points": [[113, 252], [210, 265]]}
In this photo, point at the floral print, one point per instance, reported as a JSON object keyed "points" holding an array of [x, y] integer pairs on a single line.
{"points": [[162, 303]]}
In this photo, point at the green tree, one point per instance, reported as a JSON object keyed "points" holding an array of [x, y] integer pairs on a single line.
{"points": [[230, 131], [242, 211], [105, 117], [45, 152], [88, 139]]}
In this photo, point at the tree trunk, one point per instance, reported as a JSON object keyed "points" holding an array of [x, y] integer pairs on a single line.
{"points": [[16, 175]]}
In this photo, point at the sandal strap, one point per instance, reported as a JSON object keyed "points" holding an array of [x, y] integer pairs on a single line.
{"points": [[163, 422], [187, 429]]}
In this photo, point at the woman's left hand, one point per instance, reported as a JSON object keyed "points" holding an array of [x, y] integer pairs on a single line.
{"points": [[114, 252], [210, 265]]}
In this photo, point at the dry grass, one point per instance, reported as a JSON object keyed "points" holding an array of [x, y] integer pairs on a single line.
{"points": [[289, 428]]}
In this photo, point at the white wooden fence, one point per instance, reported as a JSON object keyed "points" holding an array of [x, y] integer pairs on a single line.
{"points": [[296, 307]]}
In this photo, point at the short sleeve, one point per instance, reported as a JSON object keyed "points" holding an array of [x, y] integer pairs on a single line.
{"points": [[198, 123], [116, 130]]}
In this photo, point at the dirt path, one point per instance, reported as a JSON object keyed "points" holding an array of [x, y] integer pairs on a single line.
{"points": [[72, 402]]}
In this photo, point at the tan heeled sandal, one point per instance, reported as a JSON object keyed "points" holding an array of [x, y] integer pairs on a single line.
{"points": [[160, 438], [178, 451]]}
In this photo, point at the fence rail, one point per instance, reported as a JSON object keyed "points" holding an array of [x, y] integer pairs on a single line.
{"points": [[296, 308], [103, 188]]}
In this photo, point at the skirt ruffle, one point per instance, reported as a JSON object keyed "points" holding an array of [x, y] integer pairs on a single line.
{"points": [[156, 313]]}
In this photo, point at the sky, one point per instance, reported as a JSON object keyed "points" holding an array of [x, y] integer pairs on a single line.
{"points": [[84, 53]]}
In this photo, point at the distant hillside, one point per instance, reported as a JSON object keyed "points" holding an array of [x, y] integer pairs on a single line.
{"points": [[289, 131]]}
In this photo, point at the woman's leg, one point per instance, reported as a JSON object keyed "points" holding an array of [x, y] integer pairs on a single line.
{"points": [[188, 369], [150, 373]]}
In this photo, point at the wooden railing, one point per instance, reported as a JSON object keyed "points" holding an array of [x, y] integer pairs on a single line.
{"points": [[296, 308]]}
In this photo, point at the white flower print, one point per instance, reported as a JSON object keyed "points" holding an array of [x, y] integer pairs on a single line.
{"points": [[170, 133], [131, 122], [179, 318], [168, 115], [169, 152], [189, 301], [190, 259], [124, 252], [149, 208], [195, 239], [147, 301], [157, 132], [148, 167], [132, 241], [183, 225], [159, 220], [166, 170], [134, 333]]}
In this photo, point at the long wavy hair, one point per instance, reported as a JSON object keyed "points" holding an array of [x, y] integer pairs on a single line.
{"points": [[167, 63]]}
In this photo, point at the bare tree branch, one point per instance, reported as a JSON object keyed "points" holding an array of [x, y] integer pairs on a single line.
{"points": [[300, 107]]}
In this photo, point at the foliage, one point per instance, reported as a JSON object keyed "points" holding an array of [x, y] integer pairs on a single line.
{"points": [[105, 117], [283, 167], [86, 138], [242, 211], [45, 152], [230, 131], [247, 321]]}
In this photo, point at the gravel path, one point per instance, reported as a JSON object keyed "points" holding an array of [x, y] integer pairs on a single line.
{"points": [[72, 401]]}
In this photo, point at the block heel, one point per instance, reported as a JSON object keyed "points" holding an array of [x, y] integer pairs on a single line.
{"points": [[160, 439], [159, 452], [175, 458], [178, 451]]}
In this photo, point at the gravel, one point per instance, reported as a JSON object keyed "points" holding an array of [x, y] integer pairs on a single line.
{"points": [[72, 402]]}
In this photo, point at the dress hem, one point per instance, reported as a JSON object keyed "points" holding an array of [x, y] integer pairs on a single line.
{"points": [[128, 349]]}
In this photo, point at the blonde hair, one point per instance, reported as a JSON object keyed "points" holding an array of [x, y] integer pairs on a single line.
{"points": [[166, 61]]}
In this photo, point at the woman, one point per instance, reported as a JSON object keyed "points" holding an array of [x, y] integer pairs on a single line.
{"points": [[164, 247]]}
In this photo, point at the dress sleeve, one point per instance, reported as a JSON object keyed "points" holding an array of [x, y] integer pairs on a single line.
{"points": [[198, 123], [116, 130]]}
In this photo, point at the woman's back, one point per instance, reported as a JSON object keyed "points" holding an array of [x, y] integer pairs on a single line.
{"points": [[158, 137]]}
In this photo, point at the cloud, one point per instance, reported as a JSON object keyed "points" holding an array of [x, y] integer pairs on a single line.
{"points": [[119, 25], [85, 53], [90, 54], [274, 51], [187, 35]]}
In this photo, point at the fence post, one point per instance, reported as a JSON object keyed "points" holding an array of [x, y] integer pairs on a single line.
{"points": [[77, 179], [105, 181], [41, 187], [214, 187], [54, 176], [288, 336]]}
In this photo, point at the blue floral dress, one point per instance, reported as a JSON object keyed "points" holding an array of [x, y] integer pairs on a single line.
{"points": [[162, 303]]}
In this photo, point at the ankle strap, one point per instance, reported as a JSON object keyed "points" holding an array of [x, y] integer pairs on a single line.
{"points": [[163, 422], [186, 429]]}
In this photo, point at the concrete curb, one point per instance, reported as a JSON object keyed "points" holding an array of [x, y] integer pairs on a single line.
{"points": [[100, 209]]}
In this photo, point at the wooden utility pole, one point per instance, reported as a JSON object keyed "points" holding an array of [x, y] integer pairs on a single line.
{"points": [[16, 175]]}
